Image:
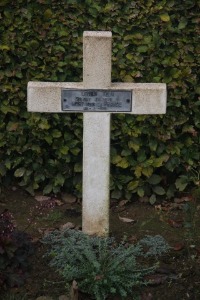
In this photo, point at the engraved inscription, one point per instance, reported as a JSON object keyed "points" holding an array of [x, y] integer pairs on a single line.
{"points": [[96, 100]]}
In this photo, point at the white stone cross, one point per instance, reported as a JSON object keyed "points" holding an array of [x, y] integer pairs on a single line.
{"points": [[87, 97]]}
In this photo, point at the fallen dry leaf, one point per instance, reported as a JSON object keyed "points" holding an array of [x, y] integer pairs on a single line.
{"points": [[122, 202], [68, 225], [58, 202], [181, 200], [42, 198], [175, 224], [133, 239], [126, 220], [158, 207], [178, 246], [34, 240]]}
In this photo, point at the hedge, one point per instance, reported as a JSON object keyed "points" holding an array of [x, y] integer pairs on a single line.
{"points": [[153, 41]]}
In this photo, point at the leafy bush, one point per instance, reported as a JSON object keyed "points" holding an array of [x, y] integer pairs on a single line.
{"points": [[153, 41], [15, 247], [99, 265]]}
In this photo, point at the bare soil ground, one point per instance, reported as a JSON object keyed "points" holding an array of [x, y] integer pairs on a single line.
{"points": [[178, 276]]}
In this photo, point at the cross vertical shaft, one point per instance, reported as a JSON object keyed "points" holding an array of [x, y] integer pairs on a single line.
{"points": [[96, 135]]}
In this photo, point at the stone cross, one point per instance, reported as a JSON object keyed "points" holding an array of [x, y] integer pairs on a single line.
{"points": [[96, 97]]}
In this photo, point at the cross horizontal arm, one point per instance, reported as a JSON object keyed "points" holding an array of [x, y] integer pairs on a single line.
{"points": [[147, 98]]}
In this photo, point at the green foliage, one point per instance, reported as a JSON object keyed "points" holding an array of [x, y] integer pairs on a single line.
{"points": [[154, 245], [11, 296], [15, 248], [192, 176], [153, 41], [99, 266]]}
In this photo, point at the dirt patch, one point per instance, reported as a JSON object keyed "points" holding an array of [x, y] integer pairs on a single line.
{"points": [[178, 275]]}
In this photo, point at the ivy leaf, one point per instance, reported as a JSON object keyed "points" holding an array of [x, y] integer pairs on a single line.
{"points": [[116, 194], [56, 133], [47, 14], [158, 162], [165, 17], [181, 183], [59, 179], [44, 125], [48, 189], [182, 24], [159, 190], [126, 152], [138, 171], [78, 167], [140, 192], [133, 145], [2, 170], [108, 7], [116, 159], [154, 179], [152, 199], [138, 36], [19, 172], [142, 49], [123, 163], [133, 185], [130, 56], [4, 47], [147, 171], [48, 139], [75, 151], [8, 164], [64, 149], [153, 143], [128, 78]]}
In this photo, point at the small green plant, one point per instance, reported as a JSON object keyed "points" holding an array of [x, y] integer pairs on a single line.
{"points": [[99, 265], [53, 216]]}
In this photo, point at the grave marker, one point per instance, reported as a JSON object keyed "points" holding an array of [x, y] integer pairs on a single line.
{"points": [[96, 97]]}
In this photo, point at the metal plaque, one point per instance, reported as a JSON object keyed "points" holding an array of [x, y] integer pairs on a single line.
{"points": [[96, 100]]}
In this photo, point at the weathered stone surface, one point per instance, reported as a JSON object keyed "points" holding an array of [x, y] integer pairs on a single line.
{"points": [[147, 98]]}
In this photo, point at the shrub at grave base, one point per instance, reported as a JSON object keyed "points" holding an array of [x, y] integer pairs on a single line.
{"points": [[15, 247], [153, 41], [100, 266]]}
